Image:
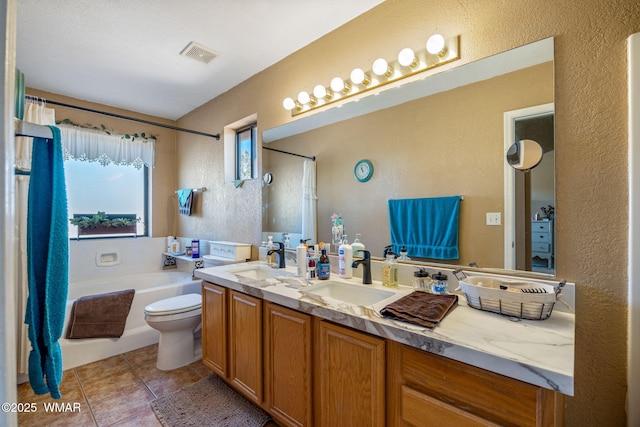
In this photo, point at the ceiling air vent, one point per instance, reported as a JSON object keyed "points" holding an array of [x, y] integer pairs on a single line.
{"points": [[199, 53]]}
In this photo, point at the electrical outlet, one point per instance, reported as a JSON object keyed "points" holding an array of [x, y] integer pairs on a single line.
{"points": [[494, 218]]}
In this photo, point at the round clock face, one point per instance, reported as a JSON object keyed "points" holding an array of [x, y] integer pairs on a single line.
{"points": [[363, 170]]}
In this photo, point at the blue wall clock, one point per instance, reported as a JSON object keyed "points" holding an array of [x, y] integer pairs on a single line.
{"points": [[363, 170]]}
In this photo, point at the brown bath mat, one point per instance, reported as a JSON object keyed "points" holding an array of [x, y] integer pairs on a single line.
{"points": [[208, 403]]}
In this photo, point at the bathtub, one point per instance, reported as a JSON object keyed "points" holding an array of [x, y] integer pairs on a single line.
{"points": [[150, 287]]}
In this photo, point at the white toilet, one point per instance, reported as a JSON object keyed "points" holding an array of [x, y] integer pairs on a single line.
{"points": [[178, 319]]}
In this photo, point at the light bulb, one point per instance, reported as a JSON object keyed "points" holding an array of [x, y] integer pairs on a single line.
{"points": [[321, 92], [381, 68], [303, 97], [289, 104], [338, 85], [359, 77], [435, 45], [406, 57]]}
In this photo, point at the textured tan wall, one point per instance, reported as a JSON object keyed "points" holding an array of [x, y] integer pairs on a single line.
{"points": [[164, 175], [591, 155]]}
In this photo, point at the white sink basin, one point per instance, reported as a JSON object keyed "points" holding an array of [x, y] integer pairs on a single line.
{"points": [[350, 293], [259, 273]]}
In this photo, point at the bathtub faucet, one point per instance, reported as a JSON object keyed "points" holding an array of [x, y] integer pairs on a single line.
{"points": [[280, 252]]}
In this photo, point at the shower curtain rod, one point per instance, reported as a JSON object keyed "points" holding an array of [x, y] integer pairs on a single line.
{"points": [[133, 119], [291, 154]]}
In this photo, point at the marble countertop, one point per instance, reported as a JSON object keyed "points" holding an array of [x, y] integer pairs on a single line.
{"points": [[537, 352]]}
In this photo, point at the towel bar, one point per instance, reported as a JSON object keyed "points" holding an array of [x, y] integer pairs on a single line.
{"points": [[201, 189]]}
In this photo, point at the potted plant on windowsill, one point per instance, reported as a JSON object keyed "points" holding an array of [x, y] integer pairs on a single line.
{"points": [[103, 223]]}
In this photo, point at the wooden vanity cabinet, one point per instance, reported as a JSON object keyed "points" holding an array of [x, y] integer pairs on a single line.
{"points": [[349, 375], [245, 345], [232, 338], [214, 328], [288, 365], [428, 390]]}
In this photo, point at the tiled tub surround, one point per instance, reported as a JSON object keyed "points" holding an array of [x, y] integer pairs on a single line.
{"points": [[536, 352]]}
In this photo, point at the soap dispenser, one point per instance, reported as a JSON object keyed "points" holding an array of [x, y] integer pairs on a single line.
{"points": [[271, 262], [403, 254], [357, 246], [390, 271]]}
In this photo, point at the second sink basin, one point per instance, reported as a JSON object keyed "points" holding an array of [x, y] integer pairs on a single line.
{"points": [[259, 273], [349, 293]]}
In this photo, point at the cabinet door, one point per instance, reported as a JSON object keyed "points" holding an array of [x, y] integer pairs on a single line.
{"points": [[245, 345], [287, 345], [350, 369], [214, 328]]}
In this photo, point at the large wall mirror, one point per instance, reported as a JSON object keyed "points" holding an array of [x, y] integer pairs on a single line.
{"points": [[443, 135]]}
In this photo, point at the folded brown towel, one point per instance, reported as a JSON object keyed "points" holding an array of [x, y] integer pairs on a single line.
{"points": [[100, 316], [421, 308]]}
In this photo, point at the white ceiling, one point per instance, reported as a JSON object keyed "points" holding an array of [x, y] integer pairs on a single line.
{"points": [[126, 53]]}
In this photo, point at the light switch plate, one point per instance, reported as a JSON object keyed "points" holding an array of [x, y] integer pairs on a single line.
{"points": [[494, 218]]}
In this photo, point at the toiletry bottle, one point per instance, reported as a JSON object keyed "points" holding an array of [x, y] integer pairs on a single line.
{"points": [[195, 248], [345, 259], [390, 271], [403, 254], [357, 246], [175, 246], [311, 270], [271, 257], [439, 284], [323, 269], [301, 259]]}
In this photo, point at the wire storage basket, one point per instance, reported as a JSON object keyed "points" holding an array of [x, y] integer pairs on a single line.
{"points": [[515, 298]]}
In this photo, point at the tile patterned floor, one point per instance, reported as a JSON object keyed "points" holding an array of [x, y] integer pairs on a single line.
{"points": [[112, 392]]}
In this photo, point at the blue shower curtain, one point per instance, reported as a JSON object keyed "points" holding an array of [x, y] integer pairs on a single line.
{"points": [[47, 263]]}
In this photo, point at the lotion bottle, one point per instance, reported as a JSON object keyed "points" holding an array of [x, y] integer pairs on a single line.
{"points": [[345, 259], [301, 259]]}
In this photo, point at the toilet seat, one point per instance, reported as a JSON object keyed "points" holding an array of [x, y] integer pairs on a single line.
{"points": [[175, 305]]}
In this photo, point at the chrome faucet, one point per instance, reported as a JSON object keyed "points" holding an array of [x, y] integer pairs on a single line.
{"points": [[366, 267], [280, 252]]}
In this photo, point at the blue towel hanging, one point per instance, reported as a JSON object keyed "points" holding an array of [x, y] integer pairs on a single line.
{"points": [[427, 227], [185, 201], [47, 263]]}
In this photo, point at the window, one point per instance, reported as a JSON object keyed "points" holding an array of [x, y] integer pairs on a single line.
{"points": [[113, 189], [245, 152]]}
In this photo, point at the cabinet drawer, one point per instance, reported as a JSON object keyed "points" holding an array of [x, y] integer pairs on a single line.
{"points": [[541, 226], [419, 409], [540, 237], [540, 247]]}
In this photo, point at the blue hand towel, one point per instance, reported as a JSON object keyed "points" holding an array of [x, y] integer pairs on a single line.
{"points": [[47, 263], [427, 227], [185, 201]]}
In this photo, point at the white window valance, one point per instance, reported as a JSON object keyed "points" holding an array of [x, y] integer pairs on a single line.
{"points": [[96, 146]]}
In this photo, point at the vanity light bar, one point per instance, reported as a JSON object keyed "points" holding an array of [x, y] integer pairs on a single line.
{"points": [[438, 51]]}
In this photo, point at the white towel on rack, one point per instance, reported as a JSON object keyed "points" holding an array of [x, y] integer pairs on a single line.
{"points": [[40, 115]]}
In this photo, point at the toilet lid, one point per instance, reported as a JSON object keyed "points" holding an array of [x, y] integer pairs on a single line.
{"points": [[177, 304]]}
